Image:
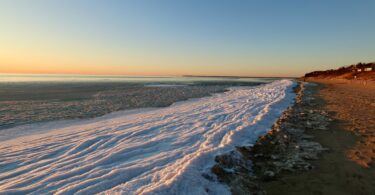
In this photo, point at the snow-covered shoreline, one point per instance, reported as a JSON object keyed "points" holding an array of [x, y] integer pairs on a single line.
{"points": [[163, 151]]}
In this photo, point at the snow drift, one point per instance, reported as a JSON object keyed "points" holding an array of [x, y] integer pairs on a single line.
{"points": [[159, 151]]}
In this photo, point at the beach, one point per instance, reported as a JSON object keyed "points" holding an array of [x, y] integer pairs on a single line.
{"points": [[285, 137], [187, 97], [347, 166]]}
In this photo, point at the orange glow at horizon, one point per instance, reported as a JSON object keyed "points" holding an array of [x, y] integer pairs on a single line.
{"points": [[37, 64], [185, 38], [43, 56], [116, 70], [76, 69]]}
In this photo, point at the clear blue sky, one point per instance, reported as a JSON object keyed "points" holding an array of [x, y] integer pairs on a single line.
{"points": [[172, 37]]}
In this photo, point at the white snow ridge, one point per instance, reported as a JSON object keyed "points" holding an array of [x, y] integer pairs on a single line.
{"points": [[159, 151]]}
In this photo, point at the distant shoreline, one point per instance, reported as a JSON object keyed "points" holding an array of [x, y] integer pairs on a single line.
{"points": [[133, 76], [218, 76], [359, 71]]}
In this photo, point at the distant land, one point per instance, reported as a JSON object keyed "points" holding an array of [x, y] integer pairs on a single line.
{"points": [[359, 71], [235, 77]]}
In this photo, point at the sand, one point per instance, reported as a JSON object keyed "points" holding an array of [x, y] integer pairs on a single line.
{"points": [[348, 166]]}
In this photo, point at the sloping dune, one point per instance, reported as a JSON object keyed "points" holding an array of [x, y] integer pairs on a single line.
{"points": [[160, 151]]}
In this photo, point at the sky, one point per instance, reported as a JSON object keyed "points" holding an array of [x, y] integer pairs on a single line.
{"points": [[191, 37]]}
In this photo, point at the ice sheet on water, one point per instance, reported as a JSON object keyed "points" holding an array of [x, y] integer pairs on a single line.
{"points": [[161, 151]]}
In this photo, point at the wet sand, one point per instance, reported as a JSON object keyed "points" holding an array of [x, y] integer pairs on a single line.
{"points": [[348, 165]]}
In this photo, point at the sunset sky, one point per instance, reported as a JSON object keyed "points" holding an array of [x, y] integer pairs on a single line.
{"points": [[173, 37]]}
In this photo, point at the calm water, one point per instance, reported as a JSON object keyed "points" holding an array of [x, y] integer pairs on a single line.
{"points": [[26, 99]]}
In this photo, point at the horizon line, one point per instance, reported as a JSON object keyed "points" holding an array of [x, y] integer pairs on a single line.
{"points": [[139, 75]]}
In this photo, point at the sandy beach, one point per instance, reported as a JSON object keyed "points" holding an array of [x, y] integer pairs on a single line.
{"points": [[187, 97], [347, 167]]}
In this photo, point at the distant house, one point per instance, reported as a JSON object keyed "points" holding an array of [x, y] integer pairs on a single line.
{"points": [[354, 70], [369, 67], [362, 67]]}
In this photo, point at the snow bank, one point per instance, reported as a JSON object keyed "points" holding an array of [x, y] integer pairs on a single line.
{"points": [[160, 151]]}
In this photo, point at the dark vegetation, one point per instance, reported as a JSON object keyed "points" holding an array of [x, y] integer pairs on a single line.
{"points": [[361, 70]]}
